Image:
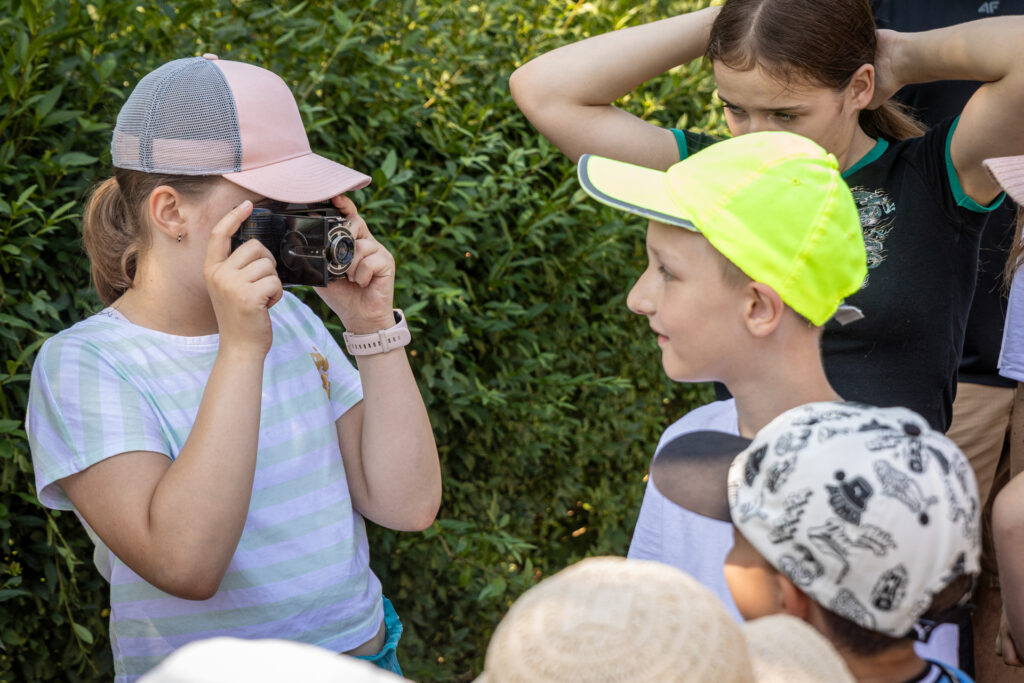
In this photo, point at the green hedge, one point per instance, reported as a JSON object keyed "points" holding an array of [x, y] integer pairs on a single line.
{"points": [[545, 393]]}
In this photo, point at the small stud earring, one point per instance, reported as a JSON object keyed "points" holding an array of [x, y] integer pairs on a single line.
{"points": [[179, 238]]}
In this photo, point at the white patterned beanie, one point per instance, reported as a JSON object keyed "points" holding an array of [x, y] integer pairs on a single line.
{"points": [[868, 511]]}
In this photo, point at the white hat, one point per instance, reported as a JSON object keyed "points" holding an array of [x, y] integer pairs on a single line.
{"points": [[867, 510], [227, 660], [608, 619]]}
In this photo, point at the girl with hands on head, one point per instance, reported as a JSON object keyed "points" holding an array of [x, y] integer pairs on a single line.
{"points": [[206, 428]]}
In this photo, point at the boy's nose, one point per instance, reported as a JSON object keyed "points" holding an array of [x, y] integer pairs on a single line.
{"points": [[638, 300]]}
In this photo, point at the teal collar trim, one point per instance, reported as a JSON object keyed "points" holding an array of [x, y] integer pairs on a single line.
{"points": [[878, 150]]}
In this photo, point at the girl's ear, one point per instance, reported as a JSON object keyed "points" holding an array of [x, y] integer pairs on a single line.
{"points": [[167, 211], [763, 309], [861, 89]]}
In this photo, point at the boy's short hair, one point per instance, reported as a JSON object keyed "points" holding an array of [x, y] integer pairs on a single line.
{"points": [[868, 511], [773, 203]]}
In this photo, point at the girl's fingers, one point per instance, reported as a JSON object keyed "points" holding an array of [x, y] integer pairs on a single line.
{"points": [[258, 269], [250, 251], [377, 264], [219, 246]]}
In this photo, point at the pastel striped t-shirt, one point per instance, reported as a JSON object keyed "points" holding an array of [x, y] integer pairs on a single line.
{"points": [[301, 570]]}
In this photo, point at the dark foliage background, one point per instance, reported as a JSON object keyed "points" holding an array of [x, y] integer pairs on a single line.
{"points": [[546, 395]]}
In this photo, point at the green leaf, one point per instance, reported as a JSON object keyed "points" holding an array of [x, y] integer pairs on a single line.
{"points": [[76, 159], [48, 100], [390, 163], [83, 633]]}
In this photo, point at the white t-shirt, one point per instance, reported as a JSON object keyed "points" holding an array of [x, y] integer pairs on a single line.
{"points": [[1011, 356], [668, 533]]}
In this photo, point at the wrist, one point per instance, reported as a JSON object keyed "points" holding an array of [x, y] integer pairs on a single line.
{"points": [[369, 325], [384, 339]]}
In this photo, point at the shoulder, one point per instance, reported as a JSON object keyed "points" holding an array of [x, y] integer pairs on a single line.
{"points": [[718, 416], [98, 336]]}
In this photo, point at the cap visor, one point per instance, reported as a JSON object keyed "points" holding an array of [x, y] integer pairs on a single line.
{"points": [[1009, 173], [306, 179], [692, 471], [630, 188]]}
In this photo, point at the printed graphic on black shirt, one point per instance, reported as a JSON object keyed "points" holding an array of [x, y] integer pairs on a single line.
{"points": [[877, 213]]}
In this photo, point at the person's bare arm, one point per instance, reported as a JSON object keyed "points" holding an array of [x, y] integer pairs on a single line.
{"points": [[1008, 536], [387, 443], [988, 50], [177, 524], [567, 94]]}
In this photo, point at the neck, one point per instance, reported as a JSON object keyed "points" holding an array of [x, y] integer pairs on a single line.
{"points": [[164, 301], [860, 144], [895, 665], [794, 376]]}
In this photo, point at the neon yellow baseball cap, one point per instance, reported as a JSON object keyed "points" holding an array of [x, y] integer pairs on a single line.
{"points": [[773, 203]]}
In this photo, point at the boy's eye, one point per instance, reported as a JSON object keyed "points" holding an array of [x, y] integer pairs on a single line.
{"points": [[733, 109], [784, 117], [665, 275]]}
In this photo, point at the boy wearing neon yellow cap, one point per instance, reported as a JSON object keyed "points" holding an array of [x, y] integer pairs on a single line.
{"points": [[752, 244]]}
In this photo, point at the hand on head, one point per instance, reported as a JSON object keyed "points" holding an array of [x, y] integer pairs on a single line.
{"points": [[363, 298], [243, 284]]}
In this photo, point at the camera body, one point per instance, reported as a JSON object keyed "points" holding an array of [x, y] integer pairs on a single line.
{"points": [[308, 249]]}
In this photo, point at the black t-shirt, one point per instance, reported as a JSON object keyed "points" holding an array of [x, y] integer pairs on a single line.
{"points": [[935, 102], [921, 234]]}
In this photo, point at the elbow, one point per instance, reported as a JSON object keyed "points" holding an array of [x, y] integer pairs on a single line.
{"points": [[523, 89], [190, 582]]}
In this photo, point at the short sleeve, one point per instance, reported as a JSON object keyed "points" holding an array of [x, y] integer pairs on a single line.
{"points": [[689, 142], [81, 410], [346, 385], [1011, 356]]}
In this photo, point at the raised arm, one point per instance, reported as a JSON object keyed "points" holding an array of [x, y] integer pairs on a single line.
{"points": [[386, 440], [177, 524], [567, 94], [987, 50]]}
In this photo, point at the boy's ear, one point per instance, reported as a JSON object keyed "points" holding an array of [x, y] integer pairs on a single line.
{"points": [[167, 211], [794, 601], [764, 309]]}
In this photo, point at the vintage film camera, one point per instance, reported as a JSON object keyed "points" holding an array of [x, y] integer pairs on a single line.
{"points": [[312, 245]]}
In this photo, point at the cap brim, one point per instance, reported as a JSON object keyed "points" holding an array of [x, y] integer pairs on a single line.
{"points": [[1009, 173], [631, 188], [692, 471], [306, 179]]}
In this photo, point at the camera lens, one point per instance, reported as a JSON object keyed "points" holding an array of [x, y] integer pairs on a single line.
{"points": [[340, 249]]}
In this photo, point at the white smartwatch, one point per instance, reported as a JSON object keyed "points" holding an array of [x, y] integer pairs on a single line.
{"points": [[381, 341]]}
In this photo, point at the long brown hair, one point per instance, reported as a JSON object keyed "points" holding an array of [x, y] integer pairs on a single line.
{"points": [[807, 41], [1016, 259], [114, 229]]}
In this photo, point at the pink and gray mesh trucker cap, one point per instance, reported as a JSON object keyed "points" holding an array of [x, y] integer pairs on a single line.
{"points": [[208, 116]]}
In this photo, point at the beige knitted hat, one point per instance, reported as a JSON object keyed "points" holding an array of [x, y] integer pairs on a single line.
{"points": [[607, 619]]}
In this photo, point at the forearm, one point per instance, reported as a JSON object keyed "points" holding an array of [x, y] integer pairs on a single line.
{"points": [[199, 507], [985, 50], [400, 468], [1008, 534], [601, 69], [567, 94]]}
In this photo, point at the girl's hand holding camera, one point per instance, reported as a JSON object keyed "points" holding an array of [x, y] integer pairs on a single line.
{"points": [[243, 285], [363, 298]]}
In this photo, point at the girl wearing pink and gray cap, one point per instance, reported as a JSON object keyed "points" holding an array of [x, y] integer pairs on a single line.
{"points": [[205, 426]]}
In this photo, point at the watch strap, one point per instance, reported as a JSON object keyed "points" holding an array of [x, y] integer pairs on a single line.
{"points": [[382, 341]]}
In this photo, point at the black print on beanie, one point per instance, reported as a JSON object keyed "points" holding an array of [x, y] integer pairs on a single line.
{"points": [[890, 590], [846, 605], [802, 569], [753, 467], [850, 498], [831, 538], [900, 486], [792, 443], [784, 527]]}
